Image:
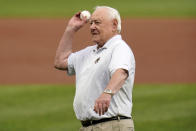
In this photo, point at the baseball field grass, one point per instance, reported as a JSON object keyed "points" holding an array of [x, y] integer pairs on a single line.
{"points": [[127, 8], [49, 108]]}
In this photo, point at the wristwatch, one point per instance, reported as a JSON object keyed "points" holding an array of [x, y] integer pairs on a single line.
{"points": [[108, 91]]}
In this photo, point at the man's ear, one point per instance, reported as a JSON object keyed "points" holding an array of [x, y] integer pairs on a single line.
{"points": [[115, 24]]}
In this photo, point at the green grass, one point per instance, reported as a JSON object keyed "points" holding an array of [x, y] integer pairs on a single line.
{"points": [[127, 8], [49, 108]]}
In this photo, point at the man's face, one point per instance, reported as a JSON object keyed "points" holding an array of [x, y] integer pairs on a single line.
{"points": [[102, 28]]}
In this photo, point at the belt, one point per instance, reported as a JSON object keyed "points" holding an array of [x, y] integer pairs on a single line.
{"points": [[93, 122]]}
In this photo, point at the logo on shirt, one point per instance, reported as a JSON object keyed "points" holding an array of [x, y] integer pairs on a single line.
{"points": [[97, 60]]}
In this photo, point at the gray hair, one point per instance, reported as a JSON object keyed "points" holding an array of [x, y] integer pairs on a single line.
{"points": [[114, 14]]}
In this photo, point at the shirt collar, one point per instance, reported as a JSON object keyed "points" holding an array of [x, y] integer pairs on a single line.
{"points": [[108, 43]]}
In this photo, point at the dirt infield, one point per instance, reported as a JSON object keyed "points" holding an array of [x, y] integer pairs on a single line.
{"points": [[164, 50]]}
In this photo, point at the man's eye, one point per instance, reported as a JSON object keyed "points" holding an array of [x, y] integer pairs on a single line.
{"points": [[97, 22]]}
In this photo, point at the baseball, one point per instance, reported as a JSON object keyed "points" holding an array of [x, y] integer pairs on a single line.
{"points": [[85, 14]]}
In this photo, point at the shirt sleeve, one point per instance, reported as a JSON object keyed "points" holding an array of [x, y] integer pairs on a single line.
{"points": [[75, 59], [71, 64], [122, 57]]}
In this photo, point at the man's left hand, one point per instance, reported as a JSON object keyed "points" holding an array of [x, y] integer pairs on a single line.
{"points": [[102, 103]]}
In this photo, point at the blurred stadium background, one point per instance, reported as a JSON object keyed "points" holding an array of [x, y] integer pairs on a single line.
{"points": [[35, 96]]}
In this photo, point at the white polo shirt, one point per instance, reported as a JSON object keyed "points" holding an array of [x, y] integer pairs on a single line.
{"points": [[93, 69]]}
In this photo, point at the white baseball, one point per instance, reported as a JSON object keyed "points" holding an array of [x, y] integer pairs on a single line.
{"points": [[85, 14]]}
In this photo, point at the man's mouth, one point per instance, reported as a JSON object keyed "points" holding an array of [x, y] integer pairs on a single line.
{"points": [[94, 33]]}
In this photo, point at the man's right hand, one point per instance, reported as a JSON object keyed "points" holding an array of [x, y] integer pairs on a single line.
{"points": [[75, 23]]}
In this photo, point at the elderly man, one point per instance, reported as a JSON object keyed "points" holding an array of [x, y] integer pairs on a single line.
{"points": [[104, 72]]}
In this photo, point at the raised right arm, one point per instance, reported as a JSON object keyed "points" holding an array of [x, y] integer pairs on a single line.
{"points": [[65, 46]]}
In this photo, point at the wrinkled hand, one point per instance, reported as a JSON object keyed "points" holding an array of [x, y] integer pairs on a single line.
{"points": [[75, 23], [102, 103]]}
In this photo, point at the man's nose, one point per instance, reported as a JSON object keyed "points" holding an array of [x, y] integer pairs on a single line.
{"points": [[93, 26]]}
